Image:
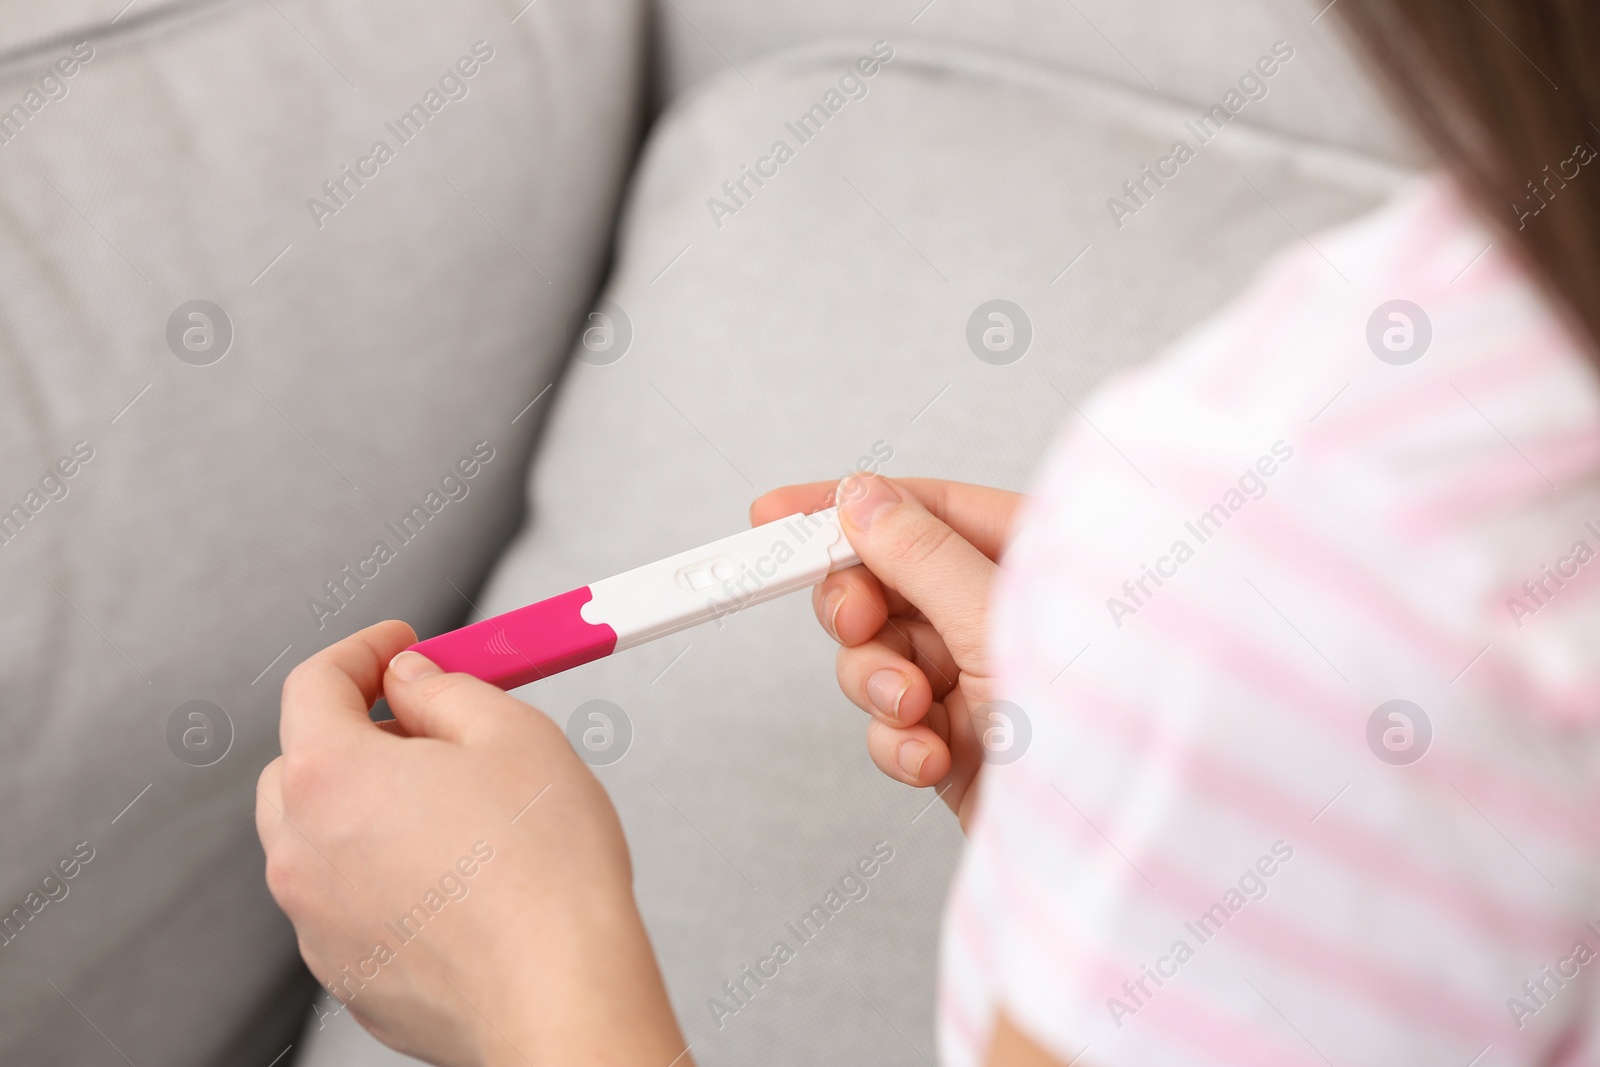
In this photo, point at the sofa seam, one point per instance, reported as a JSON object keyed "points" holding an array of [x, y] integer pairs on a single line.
{"points": [[147, 23], [1006, 70]]}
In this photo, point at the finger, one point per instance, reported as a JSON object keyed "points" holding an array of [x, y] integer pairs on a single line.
{"points": [[427, 702], [966, 753], [853, 605], [981, 514], [912, 550], [880, 680], [850, 605], [791, 499], [915, 755], [918, 641], [328, 696]]}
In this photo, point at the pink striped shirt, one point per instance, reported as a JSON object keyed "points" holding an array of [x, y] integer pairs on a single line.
{"points": [[1305, 632]]}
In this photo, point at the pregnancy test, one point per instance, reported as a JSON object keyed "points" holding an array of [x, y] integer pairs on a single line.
{"points": [[647, 602]]}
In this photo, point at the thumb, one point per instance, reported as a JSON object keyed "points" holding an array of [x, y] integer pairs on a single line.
{"points": [[913, 551], [427, 702]]}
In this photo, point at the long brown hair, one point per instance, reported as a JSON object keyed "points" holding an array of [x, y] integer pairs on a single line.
{"points": [[1507, 93]]}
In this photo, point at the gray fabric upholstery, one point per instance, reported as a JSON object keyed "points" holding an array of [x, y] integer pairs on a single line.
{"points": [[30, 26], [1185, 51], [824, 319], [368, 357]]}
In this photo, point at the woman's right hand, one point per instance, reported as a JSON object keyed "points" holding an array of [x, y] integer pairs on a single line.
{"points": [[912, 621]]}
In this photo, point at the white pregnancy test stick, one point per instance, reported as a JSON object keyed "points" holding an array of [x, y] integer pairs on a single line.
{"points": [[647, 602]]}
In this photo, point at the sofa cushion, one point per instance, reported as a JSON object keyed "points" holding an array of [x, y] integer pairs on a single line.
{"points": [[226, 382], [818, 321], [27, 27], [1191, 50]]}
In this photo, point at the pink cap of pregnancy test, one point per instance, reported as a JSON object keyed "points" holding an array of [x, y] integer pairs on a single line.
{"points": [[524, 645]]}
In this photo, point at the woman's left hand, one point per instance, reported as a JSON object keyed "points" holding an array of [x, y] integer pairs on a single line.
{"points": [[461, 882]]}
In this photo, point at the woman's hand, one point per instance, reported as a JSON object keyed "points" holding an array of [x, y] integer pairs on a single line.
{"points": [[460, 880], [912, 621]]}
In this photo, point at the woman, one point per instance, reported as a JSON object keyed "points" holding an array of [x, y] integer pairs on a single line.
{"points": [[1308, 659]]}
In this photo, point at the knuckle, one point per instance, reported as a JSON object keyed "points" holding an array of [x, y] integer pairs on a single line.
{"points": [[965, 650], [919, 542], [304, 680], [283, 880], [305, 776], [273, 767], [295, 680], [440, 686], [309, 954]]}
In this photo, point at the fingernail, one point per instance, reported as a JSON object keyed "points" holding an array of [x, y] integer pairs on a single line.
{"points": [[911, 756], [408, 666], [831, 606], [864, 497], [886, 688]]}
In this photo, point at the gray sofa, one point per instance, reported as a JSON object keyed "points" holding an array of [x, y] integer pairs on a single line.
{"points": [[261, 346]]}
